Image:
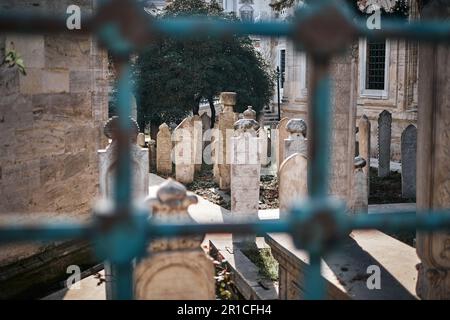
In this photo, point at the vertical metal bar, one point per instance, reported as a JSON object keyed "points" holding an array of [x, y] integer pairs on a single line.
{"points": [[123, 178], [319, 128], [319, 112], [124, 281], [122, 197], [314, 282]]}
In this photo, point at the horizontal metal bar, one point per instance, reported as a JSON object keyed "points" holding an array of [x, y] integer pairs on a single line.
{"points": [[437, 220], [28, 22]]}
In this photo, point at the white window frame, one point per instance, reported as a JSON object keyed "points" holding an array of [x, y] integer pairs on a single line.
{"points": [[371, 93], [279, 49], [303, 89], [234, 5]]}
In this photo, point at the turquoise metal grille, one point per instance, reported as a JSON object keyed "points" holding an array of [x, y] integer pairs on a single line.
{"points": [[121, 232]]}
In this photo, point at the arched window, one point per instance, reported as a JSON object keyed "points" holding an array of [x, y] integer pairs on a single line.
{"points": [[246, 13]]}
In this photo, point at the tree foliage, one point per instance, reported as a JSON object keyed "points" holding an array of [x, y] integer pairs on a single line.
{"points": [[174, 75]]}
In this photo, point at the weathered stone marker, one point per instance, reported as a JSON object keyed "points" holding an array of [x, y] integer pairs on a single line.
{"points": [[384, 143], [197, 142], [177, 269], [227, 118], [293, 184], [152, 155], [206, 129], [184, 151], [359, 202], [164, 150], [141, 139], [364, 145], [409, 147], [107, 178], [263, 146], [249, 113], [245, 175], [296, 141], [282, 134]]}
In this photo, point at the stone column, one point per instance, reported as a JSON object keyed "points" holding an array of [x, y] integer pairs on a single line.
{"points": [[293, 184], [282, 134], [107, 178], [433, 159], [364, 145], [226, 120], [409, 146], [164, 150], [245, 173], [184, 151], [296, 141], [359, 202], [177, 268], [384, 143]]}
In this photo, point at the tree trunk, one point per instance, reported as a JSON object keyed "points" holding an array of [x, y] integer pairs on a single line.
{"points": [[196, 107], [213, 111], [154, 127]]}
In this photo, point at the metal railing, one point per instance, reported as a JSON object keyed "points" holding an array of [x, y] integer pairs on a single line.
{"points": [[122, 231]]}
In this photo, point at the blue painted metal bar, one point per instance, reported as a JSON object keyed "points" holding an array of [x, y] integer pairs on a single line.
{"points": [[319, 112], [426, 221], [315, 287]]}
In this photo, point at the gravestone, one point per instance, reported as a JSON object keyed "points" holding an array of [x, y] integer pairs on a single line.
{"points": [[263, 146], [141, 139], [293, 184], [227, 118], [177, 268], [409, 146], [107, 178], [197, 142], [245, 175], [384, 143], [164, 150], [296, 141], [282, 134], [152, 155], [249, 113], [364, 145], [184, 151], [206, 129], [359, 202]]}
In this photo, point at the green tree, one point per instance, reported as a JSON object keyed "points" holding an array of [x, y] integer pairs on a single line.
{"points": [[173, 76]]}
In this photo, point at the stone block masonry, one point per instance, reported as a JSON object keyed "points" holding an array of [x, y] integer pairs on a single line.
{"points": [[50, 124]]}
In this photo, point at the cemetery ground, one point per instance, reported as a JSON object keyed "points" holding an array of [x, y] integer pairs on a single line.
{"points": [[383, 190]]}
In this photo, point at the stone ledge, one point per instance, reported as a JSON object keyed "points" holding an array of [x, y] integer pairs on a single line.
{"points": [[345, 269], [245, 273]]}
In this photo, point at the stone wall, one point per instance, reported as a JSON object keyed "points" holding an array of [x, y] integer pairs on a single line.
{"points": [[50, 124]]}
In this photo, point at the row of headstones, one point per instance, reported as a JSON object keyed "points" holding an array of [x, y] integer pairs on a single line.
{"points": [[192, 142], [408, 150], [176, 268], [245, 176]]}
